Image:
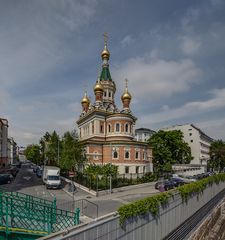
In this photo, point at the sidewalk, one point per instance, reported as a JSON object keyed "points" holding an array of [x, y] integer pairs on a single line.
{"points": [[112, 201]]}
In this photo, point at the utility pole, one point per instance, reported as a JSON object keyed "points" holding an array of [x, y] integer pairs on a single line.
{"points": [[110, 177], [58, 152]]}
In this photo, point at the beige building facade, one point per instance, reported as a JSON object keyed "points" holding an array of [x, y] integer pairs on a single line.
{"points": [[3, 142]]}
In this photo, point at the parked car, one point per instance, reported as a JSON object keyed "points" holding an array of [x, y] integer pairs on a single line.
{"points": [[39, 172], [166, 184], [178, 181], [5, 178]]}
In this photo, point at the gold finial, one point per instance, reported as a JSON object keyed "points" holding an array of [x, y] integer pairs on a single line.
{"points": [[105, 38], [126, 82], [126, 94], [85, 98], [105, 53]]}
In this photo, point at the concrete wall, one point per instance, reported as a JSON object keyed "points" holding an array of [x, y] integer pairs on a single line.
{"points": [[145, 227]]}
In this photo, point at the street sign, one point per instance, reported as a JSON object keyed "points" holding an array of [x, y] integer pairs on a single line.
{"points": [[71, 174]]}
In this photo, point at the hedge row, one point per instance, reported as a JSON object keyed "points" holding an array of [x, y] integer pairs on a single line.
{"points": [[152, 204]]}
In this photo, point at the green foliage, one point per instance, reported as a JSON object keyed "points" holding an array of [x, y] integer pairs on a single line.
{"points": [[67, 153], [151, 204], [143, 206], [217, 155], [104, 170], [72, 155], [33, 153], [169, 148], [198, 187]]}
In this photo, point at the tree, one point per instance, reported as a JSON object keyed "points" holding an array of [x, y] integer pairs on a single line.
{"points": [[72, 156], [43, 145], [52, 151], [33, 153], [169, 148], [217, 155]]}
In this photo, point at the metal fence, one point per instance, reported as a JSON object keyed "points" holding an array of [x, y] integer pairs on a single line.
{"points": [[86, 207], [100, 182], [146, 226]]}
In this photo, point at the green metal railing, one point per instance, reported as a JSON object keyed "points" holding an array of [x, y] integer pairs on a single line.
{"points": [[22, 213]]}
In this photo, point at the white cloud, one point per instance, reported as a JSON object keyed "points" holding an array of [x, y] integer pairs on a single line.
{"points": [[158, 78], [213, 128], [127, 40], [192, 108], [190, 46]]}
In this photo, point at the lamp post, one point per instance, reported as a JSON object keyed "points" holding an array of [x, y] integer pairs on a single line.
{"points": [[110, 176]]}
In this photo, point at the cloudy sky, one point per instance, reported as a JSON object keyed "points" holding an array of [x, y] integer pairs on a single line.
{"points": [[172, 53]]}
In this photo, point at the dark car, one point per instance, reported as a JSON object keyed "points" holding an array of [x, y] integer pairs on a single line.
{"points": [[39, 172], [178, 182], [165, 184], [5, 178]]}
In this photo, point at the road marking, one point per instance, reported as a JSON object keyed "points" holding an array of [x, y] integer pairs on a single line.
{"points": [[120, 200], [27, 178]]}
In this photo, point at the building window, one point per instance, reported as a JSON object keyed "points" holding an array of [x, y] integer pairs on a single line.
{"points": [[93, 128], [137, 169], [191, 141], [144, 169], [136, 155], [115, 154], [101, 129], [144, 155], [127, 155], [190, 134], [126, 169], [104, 94], [117, 127], [109, 128], [126, 127], [109, 94], [95, 155]]}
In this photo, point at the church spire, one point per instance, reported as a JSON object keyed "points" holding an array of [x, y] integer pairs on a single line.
{"points": [[105, 74]]}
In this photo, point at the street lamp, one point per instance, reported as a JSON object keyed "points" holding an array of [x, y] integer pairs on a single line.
{"points": [[110, 176]]}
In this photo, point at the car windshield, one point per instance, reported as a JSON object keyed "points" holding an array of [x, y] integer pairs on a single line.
{"points": [[53, 177]]}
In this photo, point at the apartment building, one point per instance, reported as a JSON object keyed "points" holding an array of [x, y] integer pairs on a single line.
{"points": [[12, 151], [143, 134], [3, 142], [198, 141]]}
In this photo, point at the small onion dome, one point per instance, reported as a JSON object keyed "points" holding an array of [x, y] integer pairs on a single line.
{"points": [[85, 99], [126, 95], [98, 87], [105, 53]]}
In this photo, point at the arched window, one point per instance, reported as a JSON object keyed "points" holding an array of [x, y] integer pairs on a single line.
{"points": [[109, 128], [127, 155], [126, 127], [117, 127], [115, 154]]}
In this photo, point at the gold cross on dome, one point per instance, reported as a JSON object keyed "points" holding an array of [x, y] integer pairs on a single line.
{"points": [[126, 82], [105, 38]]}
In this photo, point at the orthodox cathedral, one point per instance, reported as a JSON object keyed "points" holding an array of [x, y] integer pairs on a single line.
{"points": [[107, 132]]}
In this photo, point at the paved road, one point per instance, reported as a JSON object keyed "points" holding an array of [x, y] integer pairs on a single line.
{"points": [[27, 182]]}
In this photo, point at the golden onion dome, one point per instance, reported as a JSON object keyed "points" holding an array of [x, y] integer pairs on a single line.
{"points": [[98, 87], [105, 53], [126, 95], [85, 99]]}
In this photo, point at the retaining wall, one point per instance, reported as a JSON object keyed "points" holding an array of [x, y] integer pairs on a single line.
{"points": [[144, 227]]}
